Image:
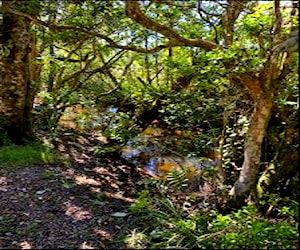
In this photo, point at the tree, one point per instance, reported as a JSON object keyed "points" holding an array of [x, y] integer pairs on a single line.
{"points": [[16, 70], [20, 73], [253, 43], [260, 82]]}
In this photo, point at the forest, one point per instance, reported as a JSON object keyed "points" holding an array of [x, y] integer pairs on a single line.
{"points": [[149, 124]]}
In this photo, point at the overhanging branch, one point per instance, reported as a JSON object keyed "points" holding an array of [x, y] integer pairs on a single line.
{"points": [[134, 12], [86, 30]]}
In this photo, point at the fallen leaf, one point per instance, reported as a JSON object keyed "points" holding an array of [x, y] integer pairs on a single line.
{"points": [[119, 214]]}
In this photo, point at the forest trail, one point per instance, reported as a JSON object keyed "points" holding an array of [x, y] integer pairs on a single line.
{"points": [[79, 206]]}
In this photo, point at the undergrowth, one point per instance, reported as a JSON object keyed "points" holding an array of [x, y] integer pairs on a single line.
{"points": [[172, 225]]}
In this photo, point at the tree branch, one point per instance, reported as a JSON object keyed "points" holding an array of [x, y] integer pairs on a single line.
{"points": [[232, 12], [205, 12], [200, 10], [278, 22], [156, 75], [133, 11], [87, 30]]}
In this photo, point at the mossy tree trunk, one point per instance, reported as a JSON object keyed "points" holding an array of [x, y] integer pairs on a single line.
{"points": [[15, 76]]}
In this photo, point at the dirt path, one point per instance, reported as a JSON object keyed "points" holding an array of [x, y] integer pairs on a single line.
{"points": [[82, 206]]}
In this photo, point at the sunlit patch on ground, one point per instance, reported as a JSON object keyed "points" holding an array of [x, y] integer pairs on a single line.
{"points": [[26, 245], [84, 180], [100, 170], [76, 212], [86, 245], [68, 172], [4, 183], [60, 205], [95, 190], [78, 156], [119, 196], [102, 233]]}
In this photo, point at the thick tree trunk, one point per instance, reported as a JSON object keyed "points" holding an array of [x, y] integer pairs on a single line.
{"points": [[253, 147], [15, 79]]}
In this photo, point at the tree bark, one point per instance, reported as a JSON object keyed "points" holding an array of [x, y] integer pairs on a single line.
{"points": [[252, 151], [15, 77]]}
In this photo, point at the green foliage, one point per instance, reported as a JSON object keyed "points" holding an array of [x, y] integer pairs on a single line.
{"points": [[142, 203], [103, 149], [34, 153], [286, 207], [119, 127], [291, 210], [136, 240], [67, 183], [47, 175], [172, 227], [7, 224], [5, 49], [30, 7], [175, 113], [177, 179]]}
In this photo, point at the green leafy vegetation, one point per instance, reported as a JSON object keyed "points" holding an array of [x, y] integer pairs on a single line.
{"points": [[172, 227], [187, 110], [34, 153]]}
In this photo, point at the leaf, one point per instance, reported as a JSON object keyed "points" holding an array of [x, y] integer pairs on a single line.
{"points": [[39, 192], [119, 214]]}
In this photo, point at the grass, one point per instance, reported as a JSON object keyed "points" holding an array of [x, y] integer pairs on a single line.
{"points": [[30, 154]]}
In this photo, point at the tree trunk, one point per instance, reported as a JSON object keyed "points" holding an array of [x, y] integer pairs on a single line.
{"points": [[15, 79], [253, 148]]}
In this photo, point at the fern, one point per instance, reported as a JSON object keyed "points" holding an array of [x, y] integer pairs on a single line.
{"points": [[177, 179]]}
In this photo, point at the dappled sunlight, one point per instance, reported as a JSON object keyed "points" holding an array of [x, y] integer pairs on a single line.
{"points": [[68, 172], [149, 124], [26, 245], [71, 117], [78, 156], [79, 178], [102, 233], [61, 147], [154, 131], [83, 141], [102, 139], [4, 183], [86, 245], [95, 190], [84, 180], [119, 196], [100, 170], [76, 212], [60, 207], [108, 179]]}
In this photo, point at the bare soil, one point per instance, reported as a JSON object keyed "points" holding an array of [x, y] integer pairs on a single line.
{"points": [[83, 205]]}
